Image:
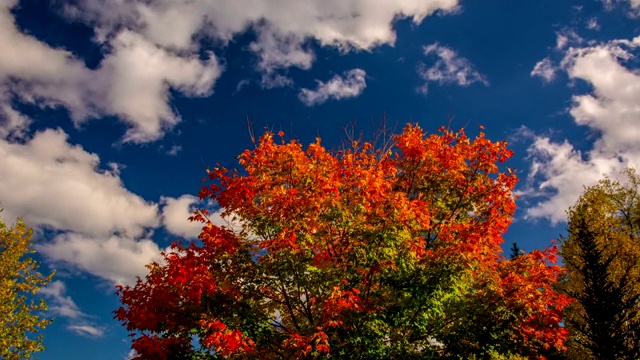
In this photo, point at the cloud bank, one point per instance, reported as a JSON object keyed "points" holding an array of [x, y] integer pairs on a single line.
{"points": [[102, 226], [610, 111], [154, 46]]}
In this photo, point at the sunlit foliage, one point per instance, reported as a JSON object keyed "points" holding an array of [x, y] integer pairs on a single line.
{"points": [[359, 254], [20, 313]]}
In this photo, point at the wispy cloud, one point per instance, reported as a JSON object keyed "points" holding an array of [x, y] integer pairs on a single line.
{"points": [[567, 37], [545, 70], [63, 306], [449, 68], [632, 6], [351, 84], [592, 24]]}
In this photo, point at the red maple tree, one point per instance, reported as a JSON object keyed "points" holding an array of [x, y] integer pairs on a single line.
{"points": [[355, 254]]}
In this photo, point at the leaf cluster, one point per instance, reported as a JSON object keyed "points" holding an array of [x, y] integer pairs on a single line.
{"points": [[20, 317]]}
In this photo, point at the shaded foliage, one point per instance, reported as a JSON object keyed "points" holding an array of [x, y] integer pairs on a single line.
{"points": [[602, 256]]}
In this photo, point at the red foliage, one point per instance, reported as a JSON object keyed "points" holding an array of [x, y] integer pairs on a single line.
{"points": [[324, 243]]}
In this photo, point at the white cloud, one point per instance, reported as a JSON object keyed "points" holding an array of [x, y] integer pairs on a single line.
{"points": [[448, 69], [611, 111], [283, 27], [175, 215], [13, 125], [360, 24], [154, 46], [56, 184], [114, 258], [63, 306], [131, 355], [545, 69], [27, 58], [132, 82], [141, 74], [32, 71], [613, 108], [59, 303], [241, 84], [174, 150], [560, 173], [351, 84], [87, 330], [278, 51]]}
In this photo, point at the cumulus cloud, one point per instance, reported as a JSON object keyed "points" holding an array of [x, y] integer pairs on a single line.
{"points": [[140, 75], [350, 84], [27, 58], [175, 215], [132, 82], [56, 184], [115, 258], [62, 306], [153, 46], [545, 69], [450, 68], [561, 172], [360, 24], [611, 112], [102, 226], [31, 70], [283, 28]]}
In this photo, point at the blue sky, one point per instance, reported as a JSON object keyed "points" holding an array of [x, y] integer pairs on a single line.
{"points": [[111, 110]]}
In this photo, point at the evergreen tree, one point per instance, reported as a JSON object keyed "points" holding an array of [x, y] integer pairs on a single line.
{"points": [[602, 257]]}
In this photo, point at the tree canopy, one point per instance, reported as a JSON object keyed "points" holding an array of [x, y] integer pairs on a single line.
{"points": [[20, 318], [602, 257], [356, 254]]}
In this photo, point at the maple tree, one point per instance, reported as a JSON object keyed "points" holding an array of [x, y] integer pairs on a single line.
{"points": [[355, 254], [602, 257], [19, 278]]}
